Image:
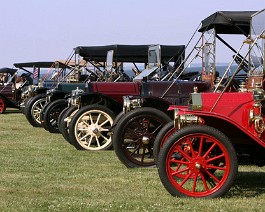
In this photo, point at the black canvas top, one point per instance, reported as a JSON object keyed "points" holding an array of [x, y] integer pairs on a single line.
{"points": [[8, 70], [127, 53], [36, 64], [228, 22]]}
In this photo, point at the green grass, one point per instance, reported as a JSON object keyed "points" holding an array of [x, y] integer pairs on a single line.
{"points": [[40, 171]]}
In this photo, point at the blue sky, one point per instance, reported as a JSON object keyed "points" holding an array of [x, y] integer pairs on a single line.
{"points": [[47, 30]]}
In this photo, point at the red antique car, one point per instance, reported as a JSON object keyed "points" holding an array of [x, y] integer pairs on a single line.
{"points": [[199, 156]]}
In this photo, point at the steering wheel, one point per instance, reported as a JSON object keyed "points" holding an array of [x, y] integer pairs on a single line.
{"points": [[243, 65]]}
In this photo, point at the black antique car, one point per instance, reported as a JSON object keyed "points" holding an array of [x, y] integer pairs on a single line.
{"points": [[45, 76], [66, 76], [111, 82]]}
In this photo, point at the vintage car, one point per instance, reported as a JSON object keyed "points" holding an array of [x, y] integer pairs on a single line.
{"points": [[117, 57], [135, 132], [68, 76], [199, 154], [11, 86], [45, 76], [89, 127]]}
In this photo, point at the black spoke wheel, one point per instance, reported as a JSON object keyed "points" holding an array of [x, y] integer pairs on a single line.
{"points": [[60, 117], [51, 114], [64, 122], [134, 136], [197, 161], [90, 128]]}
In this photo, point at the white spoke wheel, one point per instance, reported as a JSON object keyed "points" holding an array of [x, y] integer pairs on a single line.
{"points": [[89, 128], [36, 109], [33, 109]]}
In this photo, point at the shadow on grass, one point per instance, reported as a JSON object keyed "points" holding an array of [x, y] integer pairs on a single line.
{"points": [[248, 184]]}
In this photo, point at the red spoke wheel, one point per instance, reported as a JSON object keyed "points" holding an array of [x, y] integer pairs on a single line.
{"points": [[2, 106], [162, 137], [197, 161], [134, 136]]}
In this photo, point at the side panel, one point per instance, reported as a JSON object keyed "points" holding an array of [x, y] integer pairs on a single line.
{"points": [[116, 90], [68, 87], [175, 93], [6, 91]]}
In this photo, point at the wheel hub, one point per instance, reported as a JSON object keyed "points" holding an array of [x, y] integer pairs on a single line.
{"points": [[95, 131], [145, 140], [198, 166]]}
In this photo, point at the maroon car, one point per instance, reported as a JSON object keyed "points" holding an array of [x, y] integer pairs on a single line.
{"points": [[11, 86], [89, 127]]}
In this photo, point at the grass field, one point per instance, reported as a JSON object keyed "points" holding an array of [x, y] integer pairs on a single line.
{"points": [[40, 171]]}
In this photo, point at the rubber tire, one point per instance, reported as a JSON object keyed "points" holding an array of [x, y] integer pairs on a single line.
{"points": [[28, 109], [116, 120], [75, 118], [121, 128], [60, 117], [162, 165], [25, 104], [42, 115], [57, 105], [3, 106], [164, 133], [63, 128]]}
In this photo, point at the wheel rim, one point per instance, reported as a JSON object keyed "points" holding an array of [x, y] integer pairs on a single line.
{"points": [[138, 140], [68, 119], [54, 114], [2, 105], [92, 130], [198, 165], [36, 109]]}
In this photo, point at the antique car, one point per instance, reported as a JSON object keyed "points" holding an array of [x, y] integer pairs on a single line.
{"points": [[69, 75], [45, 76], [89, 127], [117, 57], [199, 155], [11, 86], [144, 115]]}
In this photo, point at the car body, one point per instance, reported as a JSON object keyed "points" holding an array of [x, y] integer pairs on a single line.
{"points": [[200, 154], [110, 90]]}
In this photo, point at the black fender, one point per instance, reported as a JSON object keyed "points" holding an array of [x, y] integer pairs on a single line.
{"points": [[41, 90], [58, 95], [101, 99], [158, 103]]}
